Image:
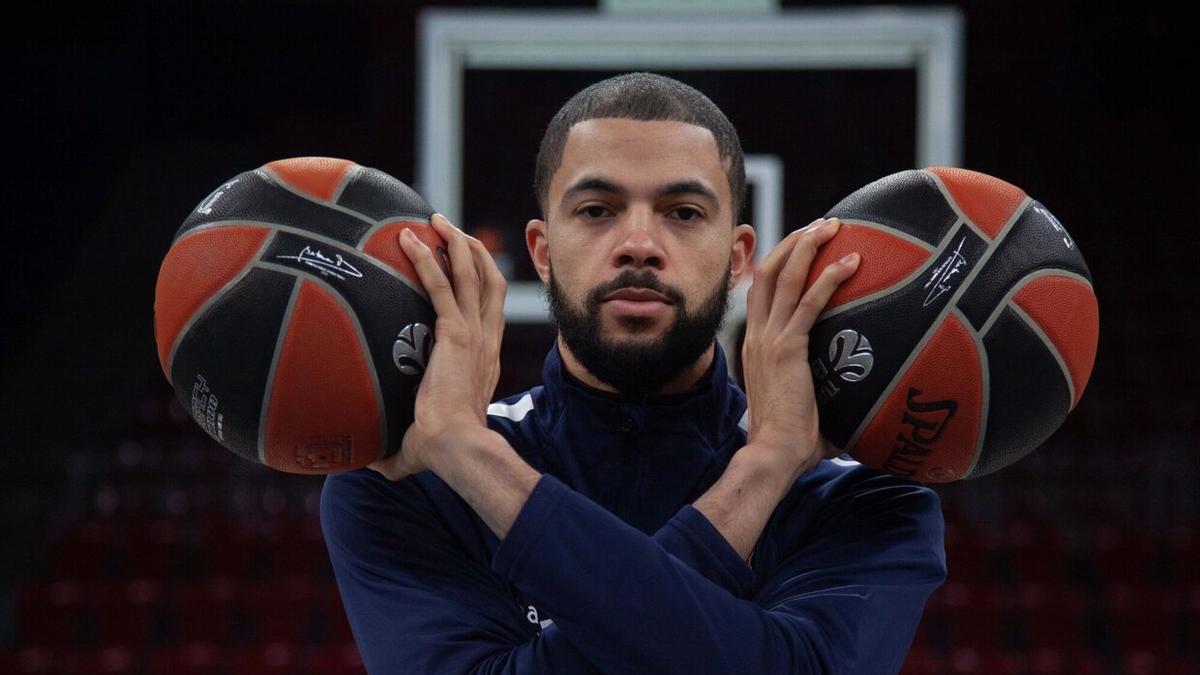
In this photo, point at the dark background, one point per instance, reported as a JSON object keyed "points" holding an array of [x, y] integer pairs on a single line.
{"points": [[122, 116]]}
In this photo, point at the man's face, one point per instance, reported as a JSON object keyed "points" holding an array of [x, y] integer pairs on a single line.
{"points": [[639, 251]]}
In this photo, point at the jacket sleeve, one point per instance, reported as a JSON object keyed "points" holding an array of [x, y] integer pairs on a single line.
{"points": [[847, 600], [417, 603]]}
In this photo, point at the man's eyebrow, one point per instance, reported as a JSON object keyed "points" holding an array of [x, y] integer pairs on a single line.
{"points": [[594, 183], [689, 187]]}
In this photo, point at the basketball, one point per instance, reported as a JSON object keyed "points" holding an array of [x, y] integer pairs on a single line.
{"points": [[288, 320], [966, 335]]}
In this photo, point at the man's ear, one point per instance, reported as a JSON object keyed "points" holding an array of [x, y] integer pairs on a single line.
{"points": [[741, 254], [539, 248]]}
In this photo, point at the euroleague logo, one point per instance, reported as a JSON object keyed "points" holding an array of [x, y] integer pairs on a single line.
{"points": [[851, 355], [411, 350], [850, 360]]}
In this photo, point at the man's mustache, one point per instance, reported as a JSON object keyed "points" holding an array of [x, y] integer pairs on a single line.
{"points": [[632, 279]]}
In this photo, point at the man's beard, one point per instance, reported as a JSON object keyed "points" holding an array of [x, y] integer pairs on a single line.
{"points": [[638, 367]]}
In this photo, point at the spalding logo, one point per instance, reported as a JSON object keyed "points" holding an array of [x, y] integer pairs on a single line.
{"points": [[411, 350], [851, 356]]}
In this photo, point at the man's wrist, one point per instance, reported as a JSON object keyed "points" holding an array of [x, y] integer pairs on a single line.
{"points": [[488, 474], [778, 469], [742, 500]]}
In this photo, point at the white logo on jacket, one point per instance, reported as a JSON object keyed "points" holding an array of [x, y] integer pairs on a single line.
{"points": [[532, 615]]}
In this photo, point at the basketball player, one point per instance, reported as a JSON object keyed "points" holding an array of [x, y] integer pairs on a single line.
{"points": [[638, 512]]}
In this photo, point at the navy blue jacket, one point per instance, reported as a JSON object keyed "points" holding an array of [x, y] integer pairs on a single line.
{"points": [[608, 568]]}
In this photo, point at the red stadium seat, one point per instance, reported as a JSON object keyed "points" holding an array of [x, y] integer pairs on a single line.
{"points": [[30, 661], [1054, 616], [283, 610], [196, 658], [264, 659], [1125, 557], [87, 553], [228, 548], [127, 613], [1145, 618], [50, 614], [989, 661], [976, 615], [970, 553], [116, 660], [336, 625], [334, 659], [203, 611], [1037, 553], [922, 661], [1052, 661]]}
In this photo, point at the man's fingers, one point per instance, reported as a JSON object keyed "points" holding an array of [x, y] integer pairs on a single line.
{"points": [[462, 264], [494, 287], [436, 284], [818, 295], [790, 285], [762, 289]]}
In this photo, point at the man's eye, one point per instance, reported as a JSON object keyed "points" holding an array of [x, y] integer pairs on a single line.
{"points": [[686, 213], [594, 211]]}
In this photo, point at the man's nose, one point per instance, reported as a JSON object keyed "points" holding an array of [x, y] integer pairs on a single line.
{"points": [[639, 245]]}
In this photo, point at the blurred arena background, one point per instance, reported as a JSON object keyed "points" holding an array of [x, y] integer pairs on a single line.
{"points": [[132, 544]]}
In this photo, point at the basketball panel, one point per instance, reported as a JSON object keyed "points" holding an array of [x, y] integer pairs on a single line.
{"points": [[384, 306], [988, 202], [258, 197], [928, 429], [1036, 242], [1028, 394], [887, 260], [317, 177], [221, 365], [324, 410], [379, 196], [193, 272], [1065, 309], [895, 325], [909, 201]]}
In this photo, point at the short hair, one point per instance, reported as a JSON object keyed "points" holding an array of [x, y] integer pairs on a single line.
{"points": [[645, 97]]}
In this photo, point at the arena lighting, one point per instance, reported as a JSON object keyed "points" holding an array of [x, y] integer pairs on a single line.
{"points": [[928, 40]]}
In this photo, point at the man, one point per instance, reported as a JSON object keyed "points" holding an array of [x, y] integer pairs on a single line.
{"points": [[633, 514]]}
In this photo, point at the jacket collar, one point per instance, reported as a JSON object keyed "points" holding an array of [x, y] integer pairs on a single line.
{"points": [[709, 405]]}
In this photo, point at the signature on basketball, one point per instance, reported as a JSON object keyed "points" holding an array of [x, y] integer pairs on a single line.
{"points": [[328, 267], [940, 280]]}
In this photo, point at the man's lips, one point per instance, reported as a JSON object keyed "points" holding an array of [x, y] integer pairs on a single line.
{"points": [[637, 295]]}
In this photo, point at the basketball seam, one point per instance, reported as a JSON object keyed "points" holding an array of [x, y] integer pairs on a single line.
{"points": [[1062, 364], [211, 300], [993, 246], [276, 179], [362, 241], [899, 234], [368, 355], [318, 237], [949, 197], [341, 186], [399, 215], [1021, 283], [279, 340], [934, 257], [985, 382]]}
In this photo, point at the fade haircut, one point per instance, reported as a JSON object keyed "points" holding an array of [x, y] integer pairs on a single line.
{"points": [[645, 97]]}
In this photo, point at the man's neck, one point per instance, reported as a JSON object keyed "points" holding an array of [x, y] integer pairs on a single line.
{"points": [[685, 381]]}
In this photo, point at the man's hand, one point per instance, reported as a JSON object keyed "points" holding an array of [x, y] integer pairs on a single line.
{"points": [[784, 429], [452, 400]]}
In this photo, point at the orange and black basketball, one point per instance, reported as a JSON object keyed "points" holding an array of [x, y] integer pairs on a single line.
{"points": [[966, 335], [289, 321]]}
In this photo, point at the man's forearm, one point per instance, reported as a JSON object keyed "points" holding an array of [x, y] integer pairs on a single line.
{"points": [[744, 497], [490, 476]]}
